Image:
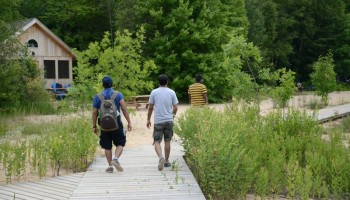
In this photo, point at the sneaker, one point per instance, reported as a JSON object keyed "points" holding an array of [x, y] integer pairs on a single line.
{"points": [[109, 169], [116, 164], [161, 164], [167, 164]]}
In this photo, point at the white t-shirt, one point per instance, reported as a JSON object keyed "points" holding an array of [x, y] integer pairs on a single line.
{"points": [[163, 99]]}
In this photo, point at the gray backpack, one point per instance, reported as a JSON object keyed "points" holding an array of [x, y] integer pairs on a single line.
{"points": [[108, 113]]}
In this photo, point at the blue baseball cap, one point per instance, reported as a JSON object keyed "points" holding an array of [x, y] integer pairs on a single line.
{"points": [[107, 80]]}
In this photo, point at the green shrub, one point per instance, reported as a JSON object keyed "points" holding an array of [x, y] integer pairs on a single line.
{"points": [[3, 128], [237, 151], [68, 145], [346, 124]]}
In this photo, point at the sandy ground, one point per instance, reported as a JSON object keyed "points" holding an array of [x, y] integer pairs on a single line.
{"points": [[141, 135]]}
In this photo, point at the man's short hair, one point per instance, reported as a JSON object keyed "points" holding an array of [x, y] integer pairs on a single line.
{"points": [[199, 78], [107, 82], [163, 79]]}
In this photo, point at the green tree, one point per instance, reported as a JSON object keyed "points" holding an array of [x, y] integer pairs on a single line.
{"points": [[76, 22], [281, 85], [238, 72], [324, 77], [341, 53], [121, 60], [9, 10], [319, 27], [294, 33], [21, 85], [271, 30], [185, 37]]}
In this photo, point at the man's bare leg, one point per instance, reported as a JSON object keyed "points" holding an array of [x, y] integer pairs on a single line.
{"points": [[158, 149]]}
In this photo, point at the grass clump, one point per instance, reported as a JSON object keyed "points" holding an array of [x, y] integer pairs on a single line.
{"points": [[70, 146], [237, 152]]}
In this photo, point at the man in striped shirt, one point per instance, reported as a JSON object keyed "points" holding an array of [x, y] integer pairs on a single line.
{"points": [[197, 92]]}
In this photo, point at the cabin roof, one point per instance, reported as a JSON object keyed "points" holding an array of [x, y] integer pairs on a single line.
{"points": [[23, 25]]}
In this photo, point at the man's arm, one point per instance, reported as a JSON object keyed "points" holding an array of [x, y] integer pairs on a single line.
{"points": [[125, 113], [174, 109], [94, 120], [149, 114], [205, 97]]}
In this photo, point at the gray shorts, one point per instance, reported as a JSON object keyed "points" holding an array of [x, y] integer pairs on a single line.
{"points": [[166, 129]]}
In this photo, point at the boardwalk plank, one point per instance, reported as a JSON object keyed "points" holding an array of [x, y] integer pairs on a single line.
{"points": [[22, 194], [72, 180], [332, 113], [38, 192], [51, 187], [11, 196], [57, 185], [60, 182], [140, 178]]}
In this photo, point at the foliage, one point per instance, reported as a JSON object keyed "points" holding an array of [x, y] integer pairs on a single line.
{"points": [[346, 125], [77, 22], [236, 152], [271, 30], [121, 60], [241, 61], [324, 77], [69, 146], [295, 33], [282, 83], [21, 85], [9, 10], [186, 37]]}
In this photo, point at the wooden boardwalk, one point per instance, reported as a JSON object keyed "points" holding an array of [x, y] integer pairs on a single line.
{"points": [[60, 187], [335, 112], [140, 179]]}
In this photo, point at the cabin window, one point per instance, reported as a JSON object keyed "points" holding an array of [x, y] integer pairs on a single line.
{"points": [[63, 69], [32, 43], [49, 67]]}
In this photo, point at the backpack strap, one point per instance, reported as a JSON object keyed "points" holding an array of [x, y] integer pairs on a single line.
{"points": [[114, 95], [101, 96]]}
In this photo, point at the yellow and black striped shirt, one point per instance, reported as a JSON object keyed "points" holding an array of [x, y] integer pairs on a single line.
{"points": [[196, 92]]}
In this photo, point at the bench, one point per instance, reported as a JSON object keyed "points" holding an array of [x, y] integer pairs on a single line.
{"points": [[139, 101]]}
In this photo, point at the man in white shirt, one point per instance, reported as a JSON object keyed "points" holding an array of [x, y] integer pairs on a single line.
{"points": [[164, 102]]}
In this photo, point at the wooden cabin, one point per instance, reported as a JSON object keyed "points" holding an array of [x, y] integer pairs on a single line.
{"points": [[52, 55]]}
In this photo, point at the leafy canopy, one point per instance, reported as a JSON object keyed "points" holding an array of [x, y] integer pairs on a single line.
{"points": [[21, 84], [186, 37], [121, 60]]}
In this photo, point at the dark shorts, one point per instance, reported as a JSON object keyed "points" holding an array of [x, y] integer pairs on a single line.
{"points": [[163, 129], [117, 137]]}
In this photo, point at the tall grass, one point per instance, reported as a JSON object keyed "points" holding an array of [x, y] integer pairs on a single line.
{"points": [[61, 146], [3, 127], [236, 152], [346, 124]]}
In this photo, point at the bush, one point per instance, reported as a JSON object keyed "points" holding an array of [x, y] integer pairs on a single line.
{"points": [[238, 152], [69, 145]]}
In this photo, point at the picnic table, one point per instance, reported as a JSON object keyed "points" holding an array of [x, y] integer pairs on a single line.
{"points": [[139, 101]]}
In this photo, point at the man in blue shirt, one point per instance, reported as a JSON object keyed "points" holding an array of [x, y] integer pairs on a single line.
{"points": [[164, 102], [118, 136]]}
